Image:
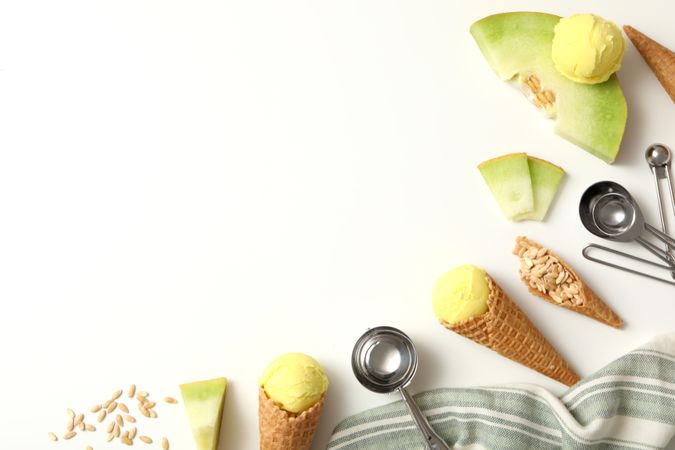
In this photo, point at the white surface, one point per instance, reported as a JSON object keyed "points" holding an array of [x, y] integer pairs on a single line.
{"points": [[189, 188]]}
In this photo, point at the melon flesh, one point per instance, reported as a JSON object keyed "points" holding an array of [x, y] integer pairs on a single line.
{"points": [[518, 45], [203, 401], [546, 178], [508, 178]]}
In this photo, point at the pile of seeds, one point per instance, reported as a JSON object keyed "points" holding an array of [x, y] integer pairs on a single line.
{"points": [[543, 99], [545, 272], [121, 423]]}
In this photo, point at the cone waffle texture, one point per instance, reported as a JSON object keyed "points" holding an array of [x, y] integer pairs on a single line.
{"points": [[281, 430], [590, 304], [506, 329], [659, 58]]}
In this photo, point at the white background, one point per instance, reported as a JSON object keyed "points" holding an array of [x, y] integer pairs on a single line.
{"points": [[189, 188]]}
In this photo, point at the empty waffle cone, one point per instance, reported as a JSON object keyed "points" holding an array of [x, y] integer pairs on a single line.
{"points": [[506, 329], [660, 59], [282, 430], [550, 278]]}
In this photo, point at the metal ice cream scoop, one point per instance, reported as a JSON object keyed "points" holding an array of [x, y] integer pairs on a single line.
{"points": [[384, 360]]}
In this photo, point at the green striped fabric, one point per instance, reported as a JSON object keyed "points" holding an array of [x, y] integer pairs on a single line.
{"points": [[630, 404]]}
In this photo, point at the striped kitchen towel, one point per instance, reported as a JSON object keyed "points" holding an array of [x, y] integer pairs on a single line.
{"points": [[630, 404]]}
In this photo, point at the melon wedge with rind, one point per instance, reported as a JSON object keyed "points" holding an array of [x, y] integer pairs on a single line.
{"points": [[517, 46], [546, 178], [204, 401], [508, 178]]}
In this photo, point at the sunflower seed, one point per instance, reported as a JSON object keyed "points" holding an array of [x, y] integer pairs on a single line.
{"points": [[69, 435]]}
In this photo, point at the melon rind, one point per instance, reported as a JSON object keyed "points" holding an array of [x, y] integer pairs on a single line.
{"points": [[590, 116]]}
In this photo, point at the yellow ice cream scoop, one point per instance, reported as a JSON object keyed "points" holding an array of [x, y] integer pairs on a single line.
{"points": [[587, 48], [460, 294], [294, 381]]}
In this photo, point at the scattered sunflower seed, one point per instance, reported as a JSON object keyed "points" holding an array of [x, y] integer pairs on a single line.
{"points": [[69, 435]]}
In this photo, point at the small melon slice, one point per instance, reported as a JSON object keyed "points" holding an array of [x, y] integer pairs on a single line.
{"points": [[546, 178], [508, 178], [517, 46], [204, 402]]}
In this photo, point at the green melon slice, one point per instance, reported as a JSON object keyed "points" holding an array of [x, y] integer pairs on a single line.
{"points": [[546, 178], [204, 402], [508, 178], [518, 46]]}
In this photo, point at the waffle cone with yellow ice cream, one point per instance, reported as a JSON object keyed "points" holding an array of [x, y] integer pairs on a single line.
{"points": [[549, 277], [660, 59], [467, 300], [290, 399]]}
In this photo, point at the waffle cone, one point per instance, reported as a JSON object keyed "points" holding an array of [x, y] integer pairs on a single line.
{"points": [[281, 430], [506, 329], [591, 305], [659, 58]]}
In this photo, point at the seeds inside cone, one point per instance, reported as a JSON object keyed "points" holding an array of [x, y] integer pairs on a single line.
{"points": [[546, 273]]}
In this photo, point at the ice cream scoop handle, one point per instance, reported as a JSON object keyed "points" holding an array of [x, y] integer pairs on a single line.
{"points": [[433, 440]]}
